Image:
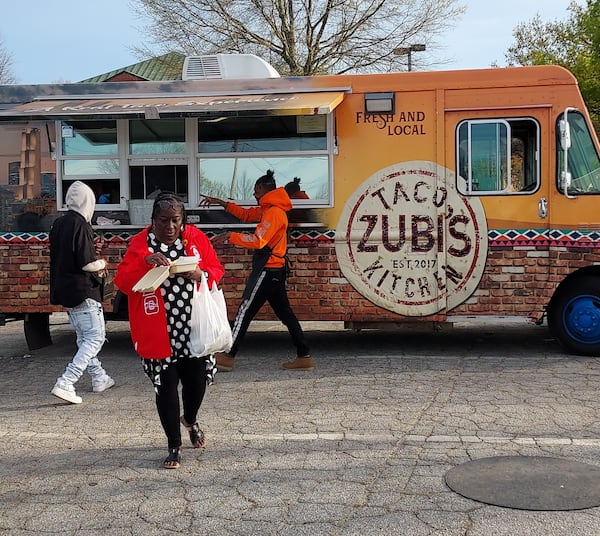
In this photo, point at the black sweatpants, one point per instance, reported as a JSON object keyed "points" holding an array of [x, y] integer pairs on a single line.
{"points": [[268, 286], [191, 372]]}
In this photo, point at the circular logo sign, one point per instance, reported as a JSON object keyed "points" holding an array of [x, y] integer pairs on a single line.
{"points": [[408, 242]]}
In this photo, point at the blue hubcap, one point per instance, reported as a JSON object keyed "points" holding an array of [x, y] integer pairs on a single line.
{"points": [[582, 319]]}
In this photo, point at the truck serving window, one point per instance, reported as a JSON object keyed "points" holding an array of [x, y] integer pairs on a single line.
{"points": [[157, 157], [156, 136], [498, 156], [582, 159], [234, 151], [89, 152]]}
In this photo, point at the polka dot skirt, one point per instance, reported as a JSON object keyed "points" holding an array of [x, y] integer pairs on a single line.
{"points": [[177, 293]]}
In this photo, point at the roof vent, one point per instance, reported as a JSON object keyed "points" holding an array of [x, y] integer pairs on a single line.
{"points": [[220, 66]]}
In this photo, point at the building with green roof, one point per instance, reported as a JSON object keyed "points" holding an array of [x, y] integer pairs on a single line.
{"points": [[166, 67]]}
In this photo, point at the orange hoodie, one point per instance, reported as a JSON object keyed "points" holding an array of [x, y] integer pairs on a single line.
{"points": [[272, 227]]}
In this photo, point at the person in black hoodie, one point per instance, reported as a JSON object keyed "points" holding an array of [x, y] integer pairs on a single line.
{"points": [[76, 283]]}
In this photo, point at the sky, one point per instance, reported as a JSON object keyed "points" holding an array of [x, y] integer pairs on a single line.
{"points": [[70, 40]]}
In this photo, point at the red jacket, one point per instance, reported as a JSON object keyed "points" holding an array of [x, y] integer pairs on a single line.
{"points": [[147, 316], [272, 229]]}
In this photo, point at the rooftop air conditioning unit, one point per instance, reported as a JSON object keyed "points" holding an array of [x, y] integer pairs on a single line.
{"points": [[220, 66]]}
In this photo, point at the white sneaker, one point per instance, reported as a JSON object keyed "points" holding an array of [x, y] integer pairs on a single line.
{"points": [[66, 394], [106, 383]]}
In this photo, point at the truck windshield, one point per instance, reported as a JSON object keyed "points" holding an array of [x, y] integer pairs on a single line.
{"points": [[583, 161]]}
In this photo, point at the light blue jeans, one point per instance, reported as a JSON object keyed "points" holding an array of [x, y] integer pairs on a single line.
{"points": [[87, 319]]}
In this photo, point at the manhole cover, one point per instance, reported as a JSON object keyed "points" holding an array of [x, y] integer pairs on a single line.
{"points": [[528, 482]]}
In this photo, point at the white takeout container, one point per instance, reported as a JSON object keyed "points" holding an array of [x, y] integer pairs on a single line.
{"points": [[155, 276], [184, 264], [152, 279]]}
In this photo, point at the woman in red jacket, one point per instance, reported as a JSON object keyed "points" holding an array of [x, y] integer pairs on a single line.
{"points": [[160, 319]]}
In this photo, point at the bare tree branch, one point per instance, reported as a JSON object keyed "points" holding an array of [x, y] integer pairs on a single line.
{"points": [[299, 37], [6, 62]]}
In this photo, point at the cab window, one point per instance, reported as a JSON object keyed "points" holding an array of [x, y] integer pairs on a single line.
{"points": [[498, 156]]}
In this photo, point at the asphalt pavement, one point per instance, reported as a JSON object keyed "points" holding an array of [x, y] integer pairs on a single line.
{"points": [[359, 446]]}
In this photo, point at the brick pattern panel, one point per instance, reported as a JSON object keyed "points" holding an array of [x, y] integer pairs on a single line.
{"points": [[25, 273], [517, 280]]}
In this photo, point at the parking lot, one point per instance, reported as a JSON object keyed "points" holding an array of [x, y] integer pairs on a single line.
{"points": [[359, 446]]}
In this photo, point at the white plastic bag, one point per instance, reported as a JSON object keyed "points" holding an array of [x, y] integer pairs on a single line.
{"points": [[209, 328]]}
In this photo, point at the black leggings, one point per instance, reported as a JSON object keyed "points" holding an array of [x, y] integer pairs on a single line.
{"points": [[268, 286], [192, 374]]}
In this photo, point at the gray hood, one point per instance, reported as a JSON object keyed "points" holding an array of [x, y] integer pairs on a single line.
{"points": [[80, 198]]}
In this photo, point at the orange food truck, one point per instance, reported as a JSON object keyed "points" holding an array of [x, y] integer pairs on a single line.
{"points": [[428, 196]]}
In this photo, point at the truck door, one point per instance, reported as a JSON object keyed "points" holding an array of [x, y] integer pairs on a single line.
{"points": [[574, 310], [499, 165]]}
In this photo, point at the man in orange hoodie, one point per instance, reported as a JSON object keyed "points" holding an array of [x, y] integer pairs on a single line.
{"points": [[267, 279]]}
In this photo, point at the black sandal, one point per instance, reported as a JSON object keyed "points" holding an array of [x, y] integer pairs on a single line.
{"points": [[173, 460], [196, 435]]}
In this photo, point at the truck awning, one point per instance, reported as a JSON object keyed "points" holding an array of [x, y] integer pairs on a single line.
{"points": [[154, 107]]}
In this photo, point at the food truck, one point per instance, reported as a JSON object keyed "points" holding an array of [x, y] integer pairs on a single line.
{"points": [[428, 196]]}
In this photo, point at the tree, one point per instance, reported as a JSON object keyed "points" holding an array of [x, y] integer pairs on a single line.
{"points": [[300, 37], [6, 75], [574, 44]]}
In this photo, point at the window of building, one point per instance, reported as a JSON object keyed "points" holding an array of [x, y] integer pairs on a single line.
{"points": [[498, 156], [13, 173]]}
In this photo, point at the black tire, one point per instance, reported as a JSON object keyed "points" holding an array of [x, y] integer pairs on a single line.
{"points": [[574, 315], [37, 330]]}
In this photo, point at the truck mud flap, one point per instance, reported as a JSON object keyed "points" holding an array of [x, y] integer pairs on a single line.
{"points": [[37, 330]]}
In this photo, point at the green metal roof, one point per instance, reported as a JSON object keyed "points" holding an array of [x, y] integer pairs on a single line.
{"points": [[166, 67]]}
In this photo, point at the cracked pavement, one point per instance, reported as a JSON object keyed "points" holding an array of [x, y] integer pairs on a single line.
{"points": [[359, 446]]}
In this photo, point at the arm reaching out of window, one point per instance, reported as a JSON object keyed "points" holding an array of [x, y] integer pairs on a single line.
{"points": [[207, 201]]}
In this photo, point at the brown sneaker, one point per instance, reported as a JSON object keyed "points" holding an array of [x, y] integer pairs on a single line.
{"points": [[300, 363], [224, 362]]}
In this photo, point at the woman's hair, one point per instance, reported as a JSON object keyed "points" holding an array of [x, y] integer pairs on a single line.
{"points": [[268, 180], [168, 200], [293, 186]]}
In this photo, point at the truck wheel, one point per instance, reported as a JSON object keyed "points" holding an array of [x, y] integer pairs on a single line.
{"points": [[574, 316]]}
